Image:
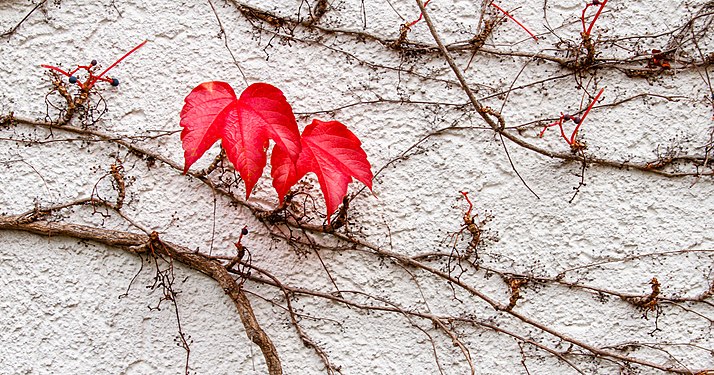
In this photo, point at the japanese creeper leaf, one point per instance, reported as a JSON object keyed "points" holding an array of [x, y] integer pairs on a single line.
{"points": [[245, 124], [203, 119], [334, 154], [261, 113]]}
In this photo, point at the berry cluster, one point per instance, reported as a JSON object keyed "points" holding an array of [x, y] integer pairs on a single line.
{"points": [[575, 119], [91, 69]]}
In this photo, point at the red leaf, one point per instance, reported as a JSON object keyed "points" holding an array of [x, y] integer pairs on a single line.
{"points": [[203, 118], [261, 113], [283, 171], [245, 124], [334, 154]]}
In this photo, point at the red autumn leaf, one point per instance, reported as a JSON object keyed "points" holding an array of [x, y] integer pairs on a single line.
{"points": [[334, 154], [283, 171], [203, 118], [261, 113], [245, 125]]}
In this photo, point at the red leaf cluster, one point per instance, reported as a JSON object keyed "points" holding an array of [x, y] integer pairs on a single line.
{"points": [[247, 124]]}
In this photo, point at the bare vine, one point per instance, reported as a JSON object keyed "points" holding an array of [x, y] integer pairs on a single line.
{"points": [[73, 115]]}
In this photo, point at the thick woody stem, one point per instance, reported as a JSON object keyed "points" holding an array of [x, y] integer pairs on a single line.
{"points": [[138, 243]]}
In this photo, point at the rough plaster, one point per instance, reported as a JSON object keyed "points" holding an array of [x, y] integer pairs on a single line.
{"points": [[60, 311]]}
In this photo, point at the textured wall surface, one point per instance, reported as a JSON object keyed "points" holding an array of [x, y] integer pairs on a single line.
{"points": [[60, 305]]}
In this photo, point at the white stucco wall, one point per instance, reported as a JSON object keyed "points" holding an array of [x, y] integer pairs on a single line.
{"points": [[59, 306]]}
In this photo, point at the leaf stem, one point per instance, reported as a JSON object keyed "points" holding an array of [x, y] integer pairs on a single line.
{"points": [[602, 6], [410, 24], [117, 62], [516, 21], [575, 132]]}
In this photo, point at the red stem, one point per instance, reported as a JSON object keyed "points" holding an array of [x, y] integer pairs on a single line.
{"points": [[562, 132], [575, 132], [516, 21], [558, 122], [117, 62], [596, 16], [582, 17], [410, 24], [240, 238], [63, 73], [56, 69], [466, 195], [540, 135], [92, 78]]}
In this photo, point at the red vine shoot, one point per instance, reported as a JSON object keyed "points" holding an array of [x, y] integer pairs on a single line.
{"points": [[410, 24], [91, 69], [582, 17], [471, 206], [516, 21], [577, 120]]}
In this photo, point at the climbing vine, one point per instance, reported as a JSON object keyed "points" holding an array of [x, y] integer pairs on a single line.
{"points": [[486, 243]]}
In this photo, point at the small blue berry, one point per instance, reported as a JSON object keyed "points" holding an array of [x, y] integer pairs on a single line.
{"points": [[93, 63], [115, 82], [72, 79], [566, 117], [244, 231], [576, 119]]}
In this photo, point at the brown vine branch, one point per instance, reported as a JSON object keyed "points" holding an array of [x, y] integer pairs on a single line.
{"points": [[634, 66], [416, 264], [394, 308], [380, 252], [13, 30], [141, 243], [499, 124]]}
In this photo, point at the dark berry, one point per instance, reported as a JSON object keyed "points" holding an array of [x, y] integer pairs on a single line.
{"points": [[596, 2], [115, 82], [93, 63], [576, 119], [244, 231], [72, 79], [566, 117]]}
